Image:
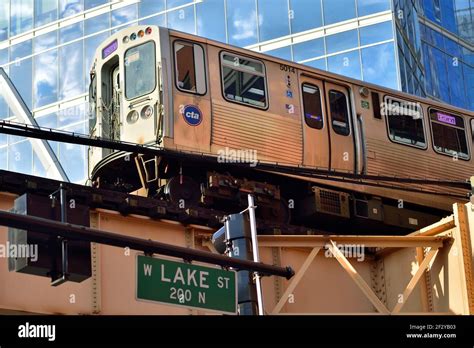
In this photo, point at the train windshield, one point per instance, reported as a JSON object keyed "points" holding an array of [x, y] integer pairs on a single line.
{"points": [[140, 77]]}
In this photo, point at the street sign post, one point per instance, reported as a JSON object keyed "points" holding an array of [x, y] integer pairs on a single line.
{"points": [[183, 284]]}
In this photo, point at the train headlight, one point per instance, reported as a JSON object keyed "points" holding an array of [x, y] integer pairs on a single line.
{"points": [[132, 117], [141, 33], [147, 112], [148, 31], [133, 37], [126, 39]]}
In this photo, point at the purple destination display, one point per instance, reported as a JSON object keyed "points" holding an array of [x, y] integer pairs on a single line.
{"points": [[111, 48], [446, 118]]}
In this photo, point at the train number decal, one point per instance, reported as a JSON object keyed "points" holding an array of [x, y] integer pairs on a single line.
{"points": [[287, 68], [192, 115]]}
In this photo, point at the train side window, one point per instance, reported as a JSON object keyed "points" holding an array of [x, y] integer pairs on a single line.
{"points": [[190, 68], [405, 122], [339, 112], [313, 113], [449, 134], [244, 80]]}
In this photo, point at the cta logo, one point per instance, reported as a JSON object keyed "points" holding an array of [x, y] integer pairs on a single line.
{"points": [[192, 115]]}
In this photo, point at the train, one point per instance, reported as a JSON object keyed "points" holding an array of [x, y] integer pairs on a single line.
{"points": [[205, 99]]}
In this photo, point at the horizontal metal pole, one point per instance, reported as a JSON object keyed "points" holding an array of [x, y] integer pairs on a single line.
{"points": [[76, 232]]}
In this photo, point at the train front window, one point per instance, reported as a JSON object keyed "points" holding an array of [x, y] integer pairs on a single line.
{"points": [[140, 76], [449, 134], [339, 113], [190, 68], [313, 113], [405, 122], [244, 81]]}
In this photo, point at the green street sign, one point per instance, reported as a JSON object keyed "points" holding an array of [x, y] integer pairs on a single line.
{"points": [[186, 285]]}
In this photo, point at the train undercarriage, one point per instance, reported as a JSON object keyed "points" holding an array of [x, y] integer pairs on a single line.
{"points": [[286, 201]]}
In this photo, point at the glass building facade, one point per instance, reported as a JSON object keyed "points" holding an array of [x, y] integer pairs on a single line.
{"points": [[423, 47]]}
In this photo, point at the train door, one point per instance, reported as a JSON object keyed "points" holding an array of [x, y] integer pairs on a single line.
{"points": [[315, 124], [191, 97], [341, 134], [116, 95]]}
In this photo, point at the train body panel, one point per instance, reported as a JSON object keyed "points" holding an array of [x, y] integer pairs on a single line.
{"points": [[219, 100]]}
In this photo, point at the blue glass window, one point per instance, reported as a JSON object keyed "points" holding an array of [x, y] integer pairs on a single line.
{"points": [[124, 15], [91, 45], [378, 65], [242, 22], [21, 18], [50, 121], [46, 41], [20, 74], [283, 52], [469, 82], [428, 8], [347, 64], [342, 41], [71, 32], [3, 56], [38, 168], [305, 15], [45, 78], [439, 75], [21, 50], [149, 7], [447, 15], [88, 4], [4, 19], [182, 20], [96, 24], [3, 157], [308, 49], [70, 7], [20, 157], [73, 157], [273, 19], [376, 33], [438, 40], [71, 74], [468, 56], [318, 64], [155, 20], [455, 73], [338, 11], [427, 64], [367, 7], [72, 115], [452, 48], [175, 3], [3, 112], [46, 11], [210, 19]]}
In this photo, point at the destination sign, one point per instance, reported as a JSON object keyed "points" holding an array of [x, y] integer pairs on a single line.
{"points": [[109, 49], [446, 118]]}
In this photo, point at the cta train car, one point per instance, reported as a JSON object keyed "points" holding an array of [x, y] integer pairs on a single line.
{"points": [[206, 99]]}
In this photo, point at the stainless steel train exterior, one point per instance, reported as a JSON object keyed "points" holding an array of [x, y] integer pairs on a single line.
{"points": [[188, 94]]}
